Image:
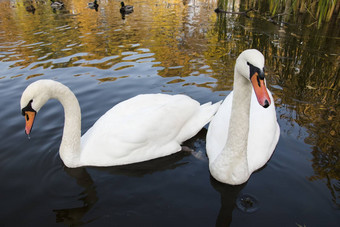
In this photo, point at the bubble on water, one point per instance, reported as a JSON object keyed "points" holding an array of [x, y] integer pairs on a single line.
{"points": [[247, 203]]}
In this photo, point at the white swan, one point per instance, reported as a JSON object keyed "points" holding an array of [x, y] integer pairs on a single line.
{"points": [[244, 132], [141, 128]]}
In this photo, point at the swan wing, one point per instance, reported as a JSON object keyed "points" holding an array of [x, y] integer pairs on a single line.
{"points": [[218, 129], [143, 128]]}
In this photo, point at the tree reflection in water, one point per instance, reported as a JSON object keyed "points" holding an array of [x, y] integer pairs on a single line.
{"points": [[177, 48]]}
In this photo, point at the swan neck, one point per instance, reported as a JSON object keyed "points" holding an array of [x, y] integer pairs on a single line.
{"points": [[232, 165], [239, 119], [70, 144]]}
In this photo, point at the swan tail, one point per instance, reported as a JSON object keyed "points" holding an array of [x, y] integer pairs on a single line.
{"points": [[203, 116]]}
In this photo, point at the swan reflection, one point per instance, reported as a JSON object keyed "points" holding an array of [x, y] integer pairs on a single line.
{"points": [[89, 195], [229, 195]]}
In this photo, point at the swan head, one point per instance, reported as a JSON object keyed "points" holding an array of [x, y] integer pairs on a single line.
{"points": [[250, 64], [33, 98]]}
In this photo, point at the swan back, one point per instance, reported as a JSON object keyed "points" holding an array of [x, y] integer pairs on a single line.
{"points": [[144, 127]]}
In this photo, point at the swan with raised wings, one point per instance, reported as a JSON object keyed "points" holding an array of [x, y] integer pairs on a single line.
{"points": [[139, 129], [244, 132]]}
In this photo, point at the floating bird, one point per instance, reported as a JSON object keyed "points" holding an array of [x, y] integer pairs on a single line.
{"points": [[57, 4], [244, 132], [142, 128], [93, 5], [30, 9], [125, 9]]}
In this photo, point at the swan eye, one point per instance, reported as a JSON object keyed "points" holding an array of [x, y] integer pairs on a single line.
{"points": [[27, 108], [252, 66], [254, 69]]}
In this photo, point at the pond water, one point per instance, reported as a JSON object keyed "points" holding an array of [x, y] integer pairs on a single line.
{"points": [[168, 47]]}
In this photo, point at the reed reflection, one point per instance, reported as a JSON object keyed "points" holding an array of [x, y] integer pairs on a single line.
{"points": [[309, 75]]}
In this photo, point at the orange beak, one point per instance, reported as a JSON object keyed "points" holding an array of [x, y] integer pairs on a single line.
{"points": [[260, 90], [29, 117]]}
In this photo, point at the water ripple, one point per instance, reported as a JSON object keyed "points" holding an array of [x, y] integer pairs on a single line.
{"points": [[172, 48], [137, 56]]}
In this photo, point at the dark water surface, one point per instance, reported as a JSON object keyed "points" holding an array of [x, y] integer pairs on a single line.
{"points": [[169, 47]]}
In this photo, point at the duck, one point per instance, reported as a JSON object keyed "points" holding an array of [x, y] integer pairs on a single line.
{"points": [[30, 9], [93, 5], [125, 9], [244, 132], [142, 128], [57, 4]]}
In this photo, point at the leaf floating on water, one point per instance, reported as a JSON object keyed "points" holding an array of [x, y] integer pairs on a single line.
{"points": [[310, 87], [300, 225]]}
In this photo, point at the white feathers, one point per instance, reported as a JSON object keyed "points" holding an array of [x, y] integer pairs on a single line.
{"points": [[242, 138], [141, 128]]}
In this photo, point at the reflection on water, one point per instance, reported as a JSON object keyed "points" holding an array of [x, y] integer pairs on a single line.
{"points": [[79, 215], [77, 36], [173, 47], [229, 195], [74, 216], [88, 197]]}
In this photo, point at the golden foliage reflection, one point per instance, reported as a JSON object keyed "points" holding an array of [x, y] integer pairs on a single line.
{"points": [[183, 39]]}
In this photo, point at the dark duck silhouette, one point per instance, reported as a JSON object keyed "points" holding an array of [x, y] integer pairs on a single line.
{"points": [[30, 9], [93, 5], [125, 9]]}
